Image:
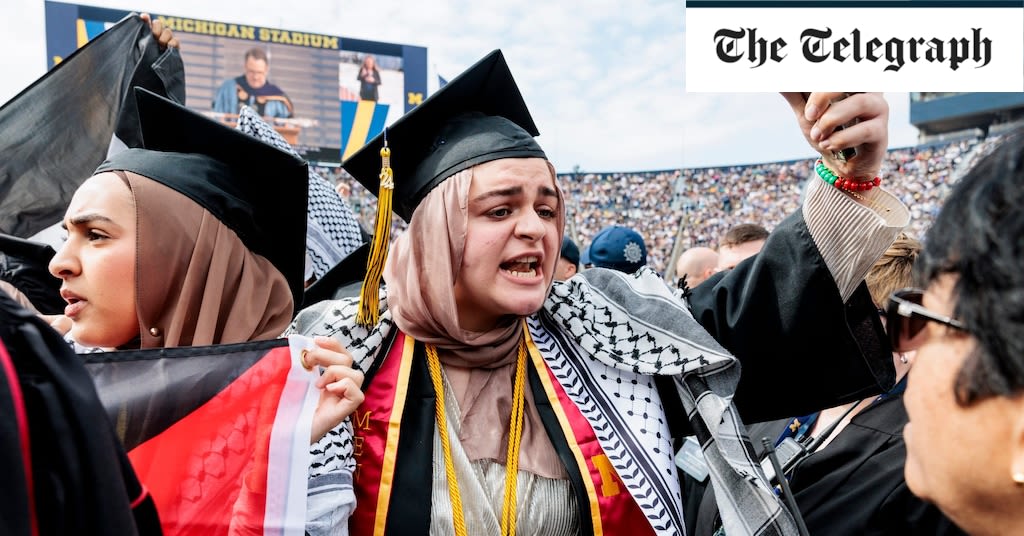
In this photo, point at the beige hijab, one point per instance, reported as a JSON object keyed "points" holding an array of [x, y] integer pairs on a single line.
{"points": [[196, 282], [420, 273]]}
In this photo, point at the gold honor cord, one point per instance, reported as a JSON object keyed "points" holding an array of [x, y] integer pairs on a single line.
{"points": [[515, 436]]}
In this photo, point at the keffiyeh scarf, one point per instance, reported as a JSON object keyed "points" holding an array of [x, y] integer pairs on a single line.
{"points": [[634, 322]]}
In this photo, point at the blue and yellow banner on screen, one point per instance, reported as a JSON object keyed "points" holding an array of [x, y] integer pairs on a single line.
{"points": [[874, 45], [329, 113]]}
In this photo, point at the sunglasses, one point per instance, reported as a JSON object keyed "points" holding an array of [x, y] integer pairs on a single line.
{"points": [[906, 319]]}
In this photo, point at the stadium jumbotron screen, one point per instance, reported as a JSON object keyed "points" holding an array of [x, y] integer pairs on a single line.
{"points": [[326, 95]]}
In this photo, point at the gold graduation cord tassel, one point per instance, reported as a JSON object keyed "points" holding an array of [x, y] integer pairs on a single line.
{"points": [[369, 297]]}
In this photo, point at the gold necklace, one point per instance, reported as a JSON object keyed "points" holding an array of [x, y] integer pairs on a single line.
{"points": [[515, 436]]}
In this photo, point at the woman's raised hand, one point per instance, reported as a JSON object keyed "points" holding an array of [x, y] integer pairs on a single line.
{"points": [[339, 385], [822, 113]]}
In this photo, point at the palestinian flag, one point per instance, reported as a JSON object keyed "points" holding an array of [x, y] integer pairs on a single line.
{"points": [[219, 435]]}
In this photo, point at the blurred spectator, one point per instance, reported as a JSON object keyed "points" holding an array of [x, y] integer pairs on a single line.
{"points": [[585, 259], [695, 265], [618, 248], [569, 260], [740, 242]]}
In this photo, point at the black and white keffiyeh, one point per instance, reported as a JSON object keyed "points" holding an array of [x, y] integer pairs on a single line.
{"points": [[634, 322], [332, 230], [330, 498], [625, 412]]}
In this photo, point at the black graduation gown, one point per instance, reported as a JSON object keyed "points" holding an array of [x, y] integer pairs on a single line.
{"points": [[415, 453], [775, 312], [780, 313], [854, 486], [71, 463], [24, 264]]}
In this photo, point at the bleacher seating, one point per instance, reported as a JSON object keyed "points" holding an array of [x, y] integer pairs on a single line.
{"points": [[677, 209]]}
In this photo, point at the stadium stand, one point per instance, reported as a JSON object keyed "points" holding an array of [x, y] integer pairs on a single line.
{"points": [[682, 208]]}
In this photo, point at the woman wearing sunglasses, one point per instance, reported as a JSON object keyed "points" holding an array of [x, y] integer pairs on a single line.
{"points": [[965, 397]]}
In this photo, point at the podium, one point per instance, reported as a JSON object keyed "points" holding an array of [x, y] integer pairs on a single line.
{"points": [[290, 133], [289, 129]]}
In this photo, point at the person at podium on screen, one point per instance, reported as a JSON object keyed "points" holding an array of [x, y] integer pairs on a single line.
{"points": [[369, 79], [253, 89]]}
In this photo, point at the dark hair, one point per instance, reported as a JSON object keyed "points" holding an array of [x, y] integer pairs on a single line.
{"points": [[979, 237], [743, 233], [256, 53]]}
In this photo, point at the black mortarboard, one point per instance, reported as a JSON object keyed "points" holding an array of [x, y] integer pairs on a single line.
{"points": [[341, 280], [25, 265], [478, 117], [255, 189]]}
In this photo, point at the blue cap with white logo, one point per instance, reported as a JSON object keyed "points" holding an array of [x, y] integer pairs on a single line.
{"points": [[619, 248]]}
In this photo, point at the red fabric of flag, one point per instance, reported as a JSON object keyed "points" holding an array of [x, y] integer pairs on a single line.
{"points": [[219, 435]]}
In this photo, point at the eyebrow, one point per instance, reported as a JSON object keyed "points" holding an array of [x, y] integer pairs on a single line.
{"points": [[546, 191], [86, 218]]}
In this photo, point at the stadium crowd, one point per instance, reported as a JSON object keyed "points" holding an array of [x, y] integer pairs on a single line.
{"points": [[678, 209]]}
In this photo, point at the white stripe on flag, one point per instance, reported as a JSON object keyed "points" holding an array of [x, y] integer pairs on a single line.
{"points": [[289, 459]]}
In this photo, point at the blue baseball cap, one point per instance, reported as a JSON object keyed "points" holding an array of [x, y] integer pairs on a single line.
{"points": [[619, 248]]}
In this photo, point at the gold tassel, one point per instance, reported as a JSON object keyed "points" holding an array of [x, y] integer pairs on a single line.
{"points": [[369, 298]]}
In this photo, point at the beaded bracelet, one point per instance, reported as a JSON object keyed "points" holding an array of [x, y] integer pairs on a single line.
{"points": [[848, 185]]}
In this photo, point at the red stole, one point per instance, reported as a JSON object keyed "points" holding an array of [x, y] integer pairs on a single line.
{"points": [[612, 509], [376, 425]]}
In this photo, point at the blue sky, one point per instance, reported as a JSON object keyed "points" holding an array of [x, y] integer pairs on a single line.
{"points": [[603, 78]]}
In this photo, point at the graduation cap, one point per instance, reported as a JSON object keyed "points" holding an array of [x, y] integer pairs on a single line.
{"points": [[342, 280], [25, 265], [255, 189], [477, 117]]}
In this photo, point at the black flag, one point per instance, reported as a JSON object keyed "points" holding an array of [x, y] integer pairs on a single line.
{"points": [[59, 129]]}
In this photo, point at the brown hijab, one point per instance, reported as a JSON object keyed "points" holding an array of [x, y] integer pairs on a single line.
{"points": [[420, 273], [196, 282]]}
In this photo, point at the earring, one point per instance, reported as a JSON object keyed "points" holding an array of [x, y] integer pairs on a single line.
{"points": [[1018, 478], [903, 359]]}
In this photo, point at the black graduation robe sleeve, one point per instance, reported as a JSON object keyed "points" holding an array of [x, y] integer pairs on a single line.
{"points": [[74, 477], [800, 347]]}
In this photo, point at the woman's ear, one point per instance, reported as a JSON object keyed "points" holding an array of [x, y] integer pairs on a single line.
{"points": [[1017, 440]]}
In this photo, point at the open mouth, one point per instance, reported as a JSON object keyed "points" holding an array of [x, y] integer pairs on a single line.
{"points": [[73, 307], [524, 267], [75, 303]]}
